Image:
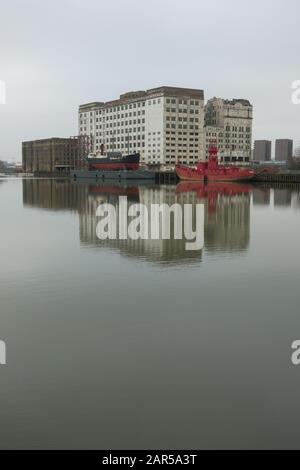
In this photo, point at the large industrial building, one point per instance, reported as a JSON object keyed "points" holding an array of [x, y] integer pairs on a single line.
{"points": [[53, 155], [165, 125], [229, 124]]}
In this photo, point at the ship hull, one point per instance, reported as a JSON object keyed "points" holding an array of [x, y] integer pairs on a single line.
{"points": [[223, 175], [114, 166], [230, 178], [126, 163], [189, 174]]}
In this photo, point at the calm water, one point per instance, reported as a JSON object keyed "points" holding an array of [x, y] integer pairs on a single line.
{"points": [[143, 344]]}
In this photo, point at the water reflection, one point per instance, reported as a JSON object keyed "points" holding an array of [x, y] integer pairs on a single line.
{"points": [[282, 197], [151, 335], [227, 220], [262, 196], [296, 201], [165, 251], [55, 195], [226, 224], [278, 196]]}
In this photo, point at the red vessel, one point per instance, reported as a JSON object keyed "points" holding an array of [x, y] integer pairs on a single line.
{"points": [[211, 170]]}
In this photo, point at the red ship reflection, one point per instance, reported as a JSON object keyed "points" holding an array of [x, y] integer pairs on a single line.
{"points": [[212, 191], [131, 191]]}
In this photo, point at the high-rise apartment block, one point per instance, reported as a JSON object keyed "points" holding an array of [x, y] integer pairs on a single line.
{"points": [[283, 150], [229, 124], [262, 151], [165, 125]]}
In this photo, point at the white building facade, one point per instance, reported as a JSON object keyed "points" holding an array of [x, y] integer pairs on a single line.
{"points": [[165, 125], [229, 124]]}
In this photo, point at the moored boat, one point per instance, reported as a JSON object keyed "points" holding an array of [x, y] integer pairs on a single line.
{"points": [[211, 170], [114, 162], [189, 173]]}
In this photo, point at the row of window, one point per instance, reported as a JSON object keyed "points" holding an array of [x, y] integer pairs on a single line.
{"points": [[120, 116], [232, 147], [181, 119], [182, 111], [83, 121], [113, 121], [128, 138], [120, 124], [181, 140], [119, 131], [113, 109], [174, 151], [130, 145], [237, 129], [139, 104], [181, 144], [182, 126], [180, 101], [153, 102]]}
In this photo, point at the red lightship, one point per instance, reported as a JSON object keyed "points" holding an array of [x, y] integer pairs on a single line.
{"points": [[211, 170]]}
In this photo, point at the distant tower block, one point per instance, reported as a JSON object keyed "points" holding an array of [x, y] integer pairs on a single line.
{"points": [[262, 151], [284, 150]]}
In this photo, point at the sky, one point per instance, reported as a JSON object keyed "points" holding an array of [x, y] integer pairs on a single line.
{"points": [[58, 54]]}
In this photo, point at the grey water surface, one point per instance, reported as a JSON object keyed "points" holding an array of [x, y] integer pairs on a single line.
{"points": [[140, 343]]}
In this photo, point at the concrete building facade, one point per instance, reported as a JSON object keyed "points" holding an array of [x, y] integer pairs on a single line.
{"points": [[229, 124], [165, 125], [283, 150], [262, 151]]}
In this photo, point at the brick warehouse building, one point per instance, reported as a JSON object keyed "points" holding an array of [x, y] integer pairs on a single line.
{"points": [[53, 155]]}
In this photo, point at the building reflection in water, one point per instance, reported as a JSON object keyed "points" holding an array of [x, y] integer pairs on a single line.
{"points": [[165, 251], [55, 195], [226, 225], [261, 196], [279, 195], [296, 200], [227, 214], [282, 197]]}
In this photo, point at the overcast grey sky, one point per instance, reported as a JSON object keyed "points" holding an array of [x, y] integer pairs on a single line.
{"points": [[56, 54]]}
